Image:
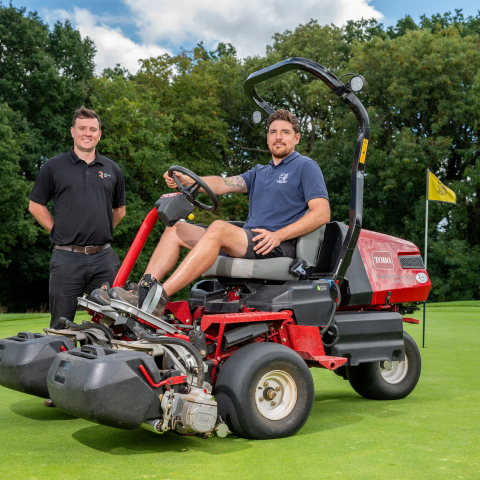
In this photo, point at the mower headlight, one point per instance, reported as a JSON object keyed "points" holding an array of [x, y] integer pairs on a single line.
{"points": [[257, 117], [357, 83]]}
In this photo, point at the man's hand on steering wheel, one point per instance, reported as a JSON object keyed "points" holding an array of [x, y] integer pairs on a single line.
{"points": [[268, 240], [190, 184], [183, 179]]}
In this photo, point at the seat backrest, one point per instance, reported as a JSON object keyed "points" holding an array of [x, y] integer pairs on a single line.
{"points": [[277, 269], [309, 245]]}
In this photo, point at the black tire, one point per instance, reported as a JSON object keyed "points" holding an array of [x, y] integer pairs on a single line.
{"points": [[367, 379], [238, 397]]}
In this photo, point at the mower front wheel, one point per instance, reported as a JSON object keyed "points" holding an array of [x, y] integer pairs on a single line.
{"points": [[265, 390], [388, 380]]}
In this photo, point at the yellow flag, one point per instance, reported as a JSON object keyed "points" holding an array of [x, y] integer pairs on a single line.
{"points": [[438, 192]]}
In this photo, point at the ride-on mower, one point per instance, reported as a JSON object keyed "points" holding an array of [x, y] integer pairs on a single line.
{"points": [[236, 355]]}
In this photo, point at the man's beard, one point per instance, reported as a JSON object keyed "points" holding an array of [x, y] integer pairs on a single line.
{"points": [[280, 153]]}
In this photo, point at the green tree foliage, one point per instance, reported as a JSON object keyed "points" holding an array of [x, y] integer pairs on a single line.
{"points": [[422, 97], [136, 134], [465, 26], [201, 92], [15, 226], [43, 75]]}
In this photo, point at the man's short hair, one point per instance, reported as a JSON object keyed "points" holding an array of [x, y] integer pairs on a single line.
{"points": [[284, 115], [84, 112]]}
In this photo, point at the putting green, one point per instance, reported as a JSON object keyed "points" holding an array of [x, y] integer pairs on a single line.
{"points": [[432, 434]]}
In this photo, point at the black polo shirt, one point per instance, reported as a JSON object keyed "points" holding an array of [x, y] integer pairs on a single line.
{"points": [[83, 197]]}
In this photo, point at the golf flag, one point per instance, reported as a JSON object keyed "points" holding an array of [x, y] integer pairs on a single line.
{"points": [[438, 192]]}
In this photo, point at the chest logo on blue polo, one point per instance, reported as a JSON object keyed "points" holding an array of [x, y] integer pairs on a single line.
{"points": [[283, 178]]}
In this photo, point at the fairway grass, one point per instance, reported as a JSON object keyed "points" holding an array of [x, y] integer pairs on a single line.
{"points": [[431, 434]]}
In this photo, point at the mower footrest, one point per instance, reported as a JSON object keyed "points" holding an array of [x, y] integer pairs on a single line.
{"points": [[95, 307], [147, 317], [332, 363], [105, 310]]}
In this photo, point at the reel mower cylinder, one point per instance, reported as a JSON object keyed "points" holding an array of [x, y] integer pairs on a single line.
{"points": [[26, 358], [105, 386]]}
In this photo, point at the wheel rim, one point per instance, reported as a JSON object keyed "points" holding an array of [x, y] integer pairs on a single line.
{"points": [[276, 395], [394, 372]]}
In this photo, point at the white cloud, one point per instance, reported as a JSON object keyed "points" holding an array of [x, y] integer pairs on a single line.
{"points": [[164, 25], [112, 45], [248, 25]]}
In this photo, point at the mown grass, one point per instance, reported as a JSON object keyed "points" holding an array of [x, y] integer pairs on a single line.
{"points": [[432, 434]]}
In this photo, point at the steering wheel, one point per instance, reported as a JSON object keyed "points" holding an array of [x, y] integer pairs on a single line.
{"points": [[191, 191]]}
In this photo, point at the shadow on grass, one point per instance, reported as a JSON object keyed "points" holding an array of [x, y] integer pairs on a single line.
{"points": [[36, 410], [134, 442], [330, 411], [338, 410]]}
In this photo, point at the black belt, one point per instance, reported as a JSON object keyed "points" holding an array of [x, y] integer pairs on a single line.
{"points": [[87, 250]]}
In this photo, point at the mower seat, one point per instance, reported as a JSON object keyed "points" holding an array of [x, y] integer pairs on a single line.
{"points": [[307, 248]]}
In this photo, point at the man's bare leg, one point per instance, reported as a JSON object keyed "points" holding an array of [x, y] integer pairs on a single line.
{"points": [[164, 258], [166, 254], [220, 235]]}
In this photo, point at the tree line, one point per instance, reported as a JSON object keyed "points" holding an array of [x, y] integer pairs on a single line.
{"points": [[422, 97]]}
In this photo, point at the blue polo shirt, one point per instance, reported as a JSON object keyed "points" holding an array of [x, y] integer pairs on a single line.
{"points": [[278, 194]]}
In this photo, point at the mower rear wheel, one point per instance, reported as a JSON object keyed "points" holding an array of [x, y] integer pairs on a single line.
{"points": [[388, 380], [265, 390]]}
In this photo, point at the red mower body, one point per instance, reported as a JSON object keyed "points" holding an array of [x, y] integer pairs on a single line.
{"points": [[393, 265]]}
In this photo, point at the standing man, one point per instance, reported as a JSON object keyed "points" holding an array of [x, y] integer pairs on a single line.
{"points": [[287, 199], [88, 192]]}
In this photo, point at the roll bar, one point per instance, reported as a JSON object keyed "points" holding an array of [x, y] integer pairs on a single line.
{"points": [[358, 167]]}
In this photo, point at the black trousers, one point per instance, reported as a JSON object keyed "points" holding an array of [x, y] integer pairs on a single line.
{"points": [[71, 274]]}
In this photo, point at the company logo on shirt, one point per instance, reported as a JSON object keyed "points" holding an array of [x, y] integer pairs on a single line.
{"points": [[103, 175], [283, 178]]}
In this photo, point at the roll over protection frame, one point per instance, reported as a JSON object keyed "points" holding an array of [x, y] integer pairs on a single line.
{"points": [[358, 167]]}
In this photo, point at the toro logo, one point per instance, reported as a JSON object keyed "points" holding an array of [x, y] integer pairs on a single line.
{"points": [[382, 260]]}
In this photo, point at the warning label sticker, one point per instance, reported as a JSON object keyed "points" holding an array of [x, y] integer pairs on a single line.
{"points": [[364, 151]]}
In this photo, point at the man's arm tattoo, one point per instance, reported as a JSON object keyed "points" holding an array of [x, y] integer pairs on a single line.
{"points": [[237, 184]]}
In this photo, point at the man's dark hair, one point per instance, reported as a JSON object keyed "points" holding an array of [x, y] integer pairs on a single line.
{"points": [[284, 115], [84, 112]]}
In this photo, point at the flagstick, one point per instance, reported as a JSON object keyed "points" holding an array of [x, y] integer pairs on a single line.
{"points": [[425, 254]]}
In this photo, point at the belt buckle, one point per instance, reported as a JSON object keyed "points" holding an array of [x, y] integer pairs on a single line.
{"points": [[88, 246]]}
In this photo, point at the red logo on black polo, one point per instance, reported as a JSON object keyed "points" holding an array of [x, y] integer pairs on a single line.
{"points": [[382, 260], [103, 175]]}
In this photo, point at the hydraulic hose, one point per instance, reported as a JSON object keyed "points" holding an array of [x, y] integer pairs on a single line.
{"points": [[334, 308], [176, 341], [85, 326], [329, 345]]}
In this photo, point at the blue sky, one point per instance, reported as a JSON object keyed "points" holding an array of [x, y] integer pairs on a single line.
{"points": [[126, 30]]}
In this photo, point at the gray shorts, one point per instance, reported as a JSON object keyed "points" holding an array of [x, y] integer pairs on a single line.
{"points": [[285, 249]]}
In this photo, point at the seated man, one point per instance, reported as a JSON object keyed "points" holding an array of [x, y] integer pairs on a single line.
{"points": [[279, 195]]}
